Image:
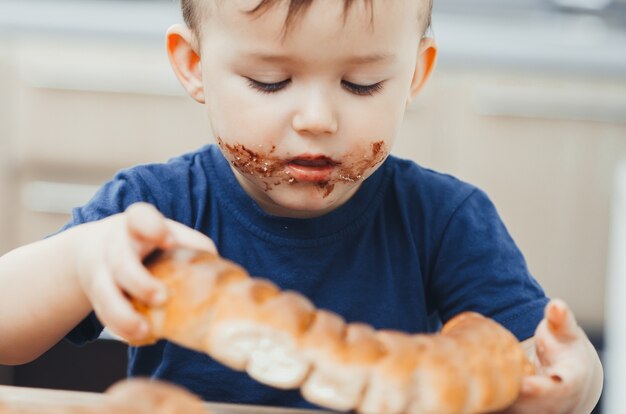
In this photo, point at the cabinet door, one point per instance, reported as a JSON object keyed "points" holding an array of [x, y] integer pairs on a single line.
{"points": [[104, 105], [86, 110]]}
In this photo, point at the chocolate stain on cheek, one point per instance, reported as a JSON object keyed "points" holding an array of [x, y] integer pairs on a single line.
{"points": [[265, 164]]}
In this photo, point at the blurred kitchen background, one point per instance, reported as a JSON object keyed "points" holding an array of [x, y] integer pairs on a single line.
{"points": [[528, 102]]}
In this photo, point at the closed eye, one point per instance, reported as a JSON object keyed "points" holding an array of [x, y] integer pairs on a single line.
{"points": [[267, 87], [362, 90]]}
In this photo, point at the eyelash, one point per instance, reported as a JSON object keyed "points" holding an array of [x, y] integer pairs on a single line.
{"points": [[267, 87], [361, 90]]}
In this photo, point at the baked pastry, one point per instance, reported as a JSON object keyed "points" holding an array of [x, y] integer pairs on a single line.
{"points": [[144, 396], [132, 396], [473, 366]]}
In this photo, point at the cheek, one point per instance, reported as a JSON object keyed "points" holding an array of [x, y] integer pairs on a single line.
{"points": [[378, 117], [241, 114], [366, 124], [362, 162]]}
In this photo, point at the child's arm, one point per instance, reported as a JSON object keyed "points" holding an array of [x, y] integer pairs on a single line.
{"points": [[570, 376], [48, 287], [40, 298]]}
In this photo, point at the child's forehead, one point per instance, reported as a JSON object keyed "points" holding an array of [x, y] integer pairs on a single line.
{"points": [[319, 39], [290, 12]]}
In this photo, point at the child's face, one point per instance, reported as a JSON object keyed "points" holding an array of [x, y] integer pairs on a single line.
{"points": [[305, 118]]}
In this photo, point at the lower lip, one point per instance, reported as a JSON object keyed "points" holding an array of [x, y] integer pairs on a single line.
{"points": [[310, 174]]}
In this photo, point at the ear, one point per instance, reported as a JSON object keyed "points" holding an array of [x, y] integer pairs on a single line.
{"points": [[185, 60], [426, 59]]}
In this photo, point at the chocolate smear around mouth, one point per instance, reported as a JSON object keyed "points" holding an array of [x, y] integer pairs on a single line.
{"points": [[264, 164]]}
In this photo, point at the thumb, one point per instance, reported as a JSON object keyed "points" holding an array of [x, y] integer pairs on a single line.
{"points": [[561, 321], [537, 386], [187, 237], [146, 224]]}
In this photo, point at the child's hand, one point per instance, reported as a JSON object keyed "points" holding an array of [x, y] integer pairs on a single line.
{"points": [[110, 265], [565, 367]]}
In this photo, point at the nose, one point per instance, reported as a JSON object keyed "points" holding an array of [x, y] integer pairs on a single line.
{"points": [[315, 115]]}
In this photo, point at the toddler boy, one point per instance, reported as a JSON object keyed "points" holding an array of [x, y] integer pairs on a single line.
{"points": [[305, 98]]}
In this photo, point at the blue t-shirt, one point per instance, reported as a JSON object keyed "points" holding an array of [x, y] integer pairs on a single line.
{"points": [[408, 251]]}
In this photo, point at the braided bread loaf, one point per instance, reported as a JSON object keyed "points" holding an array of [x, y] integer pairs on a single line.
{"points": [[282, 340]]}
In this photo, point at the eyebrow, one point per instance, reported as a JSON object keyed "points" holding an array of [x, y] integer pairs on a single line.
{"points": [[375, 58], [371, 58]]}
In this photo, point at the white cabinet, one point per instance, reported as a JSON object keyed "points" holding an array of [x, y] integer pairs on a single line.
{"points": [[79, 111]]}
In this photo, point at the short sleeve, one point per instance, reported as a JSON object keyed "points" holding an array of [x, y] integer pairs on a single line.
{"points": [[479, 268], [114, 197]]}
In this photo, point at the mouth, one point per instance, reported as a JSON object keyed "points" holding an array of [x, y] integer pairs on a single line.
{"points": [[311, 168], [313, 161]]}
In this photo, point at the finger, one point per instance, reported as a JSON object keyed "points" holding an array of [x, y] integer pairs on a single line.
{"points": [[114, 310], [537, 386], [561, 321], [146, 223], [541, 349], [130, 274], [187, 237]]}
